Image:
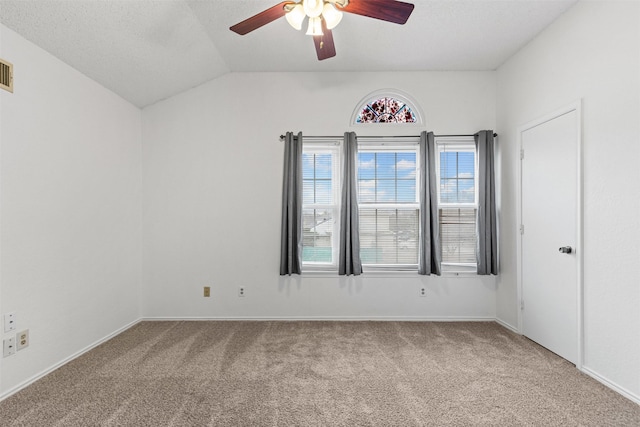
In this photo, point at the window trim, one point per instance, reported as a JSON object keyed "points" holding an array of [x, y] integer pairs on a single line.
{"points": [[467, 144], [410, 145], [388, 93], [324, 146]]}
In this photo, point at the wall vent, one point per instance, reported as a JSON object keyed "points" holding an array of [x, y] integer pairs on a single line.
{"points": [[6, 75]]}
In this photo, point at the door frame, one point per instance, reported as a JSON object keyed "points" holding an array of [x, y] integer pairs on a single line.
{"points": [[577, 107]]}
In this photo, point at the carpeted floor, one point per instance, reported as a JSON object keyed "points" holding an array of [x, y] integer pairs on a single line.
{"points": [[317, 374]]}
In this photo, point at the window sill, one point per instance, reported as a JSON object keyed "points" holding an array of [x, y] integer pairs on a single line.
{"points": [[366, 274], [395, 274], [460, 274], [319, 273]]}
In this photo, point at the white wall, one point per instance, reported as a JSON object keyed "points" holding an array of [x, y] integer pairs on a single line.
{"points": [[212, 183], [591, 52], [70, 209]]}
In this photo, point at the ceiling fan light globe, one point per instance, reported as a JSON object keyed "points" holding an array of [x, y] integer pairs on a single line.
{"points": [[296, 16], [331, 15], [315, 27], [313, 8]]}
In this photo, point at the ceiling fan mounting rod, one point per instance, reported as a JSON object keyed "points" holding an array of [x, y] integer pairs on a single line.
{"points": [[340, 3]]}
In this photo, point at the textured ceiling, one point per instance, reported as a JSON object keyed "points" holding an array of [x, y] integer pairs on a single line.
{"points": [[148, 50]]}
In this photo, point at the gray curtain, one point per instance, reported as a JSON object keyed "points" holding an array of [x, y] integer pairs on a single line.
{"points": [[291, 227], [349, 261], [429, 255], [487, 251]]}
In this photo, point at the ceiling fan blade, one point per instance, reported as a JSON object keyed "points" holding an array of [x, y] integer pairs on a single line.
{"points": [[387, 10], [260, 19], [325, 48]]}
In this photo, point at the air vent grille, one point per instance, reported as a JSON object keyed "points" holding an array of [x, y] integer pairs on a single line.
{"points": [[6, 75]]}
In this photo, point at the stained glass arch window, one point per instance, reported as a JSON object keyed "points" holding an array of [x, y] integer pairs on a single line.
{"points": [[386, 107]]}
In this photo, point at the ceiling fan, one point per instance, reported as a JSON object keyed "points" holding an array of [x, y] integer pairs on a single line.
{"points": [[324, 15]]}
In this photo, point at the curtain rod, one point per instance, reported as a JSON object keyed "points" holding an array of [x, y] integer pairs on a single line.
{"points": [[400, 136]]}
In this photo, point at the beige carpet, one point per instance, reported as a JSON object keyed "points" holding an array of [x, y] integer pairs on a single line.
{"points": [[317, 374]]}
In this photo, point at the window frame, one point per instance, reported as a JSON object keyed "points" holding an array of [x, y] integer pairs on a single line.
{"points": [[388, 93], [333, 147], [388, 144], [465, 144]]}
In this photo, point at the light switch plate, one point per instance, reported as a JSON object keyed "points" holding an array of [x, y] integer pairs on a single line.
{"points": [[9, 322], [8, 347]]}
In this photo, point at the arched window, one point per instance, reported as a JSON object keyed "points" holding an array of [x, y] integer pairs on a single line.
{"points": [[386, 107]]}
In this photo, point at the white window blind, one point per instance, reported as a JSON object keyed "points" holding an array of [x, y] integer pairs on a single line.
{"points": [[457, 202], [388, 205], [458, 235]]}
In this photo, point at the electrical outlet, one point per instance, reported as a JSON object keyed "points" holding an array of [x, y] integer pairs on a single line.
{"points": [[241, 292], [22, 340], [207, 291], [423, 291], [9, 322], [8, 347]]}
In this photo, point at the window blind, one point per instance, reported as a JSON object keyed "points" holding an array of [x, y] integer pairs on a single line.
{"points": [[458, 235]]}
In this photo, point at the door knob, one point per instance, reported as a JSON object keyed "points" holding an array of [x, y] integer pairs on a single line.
{"points": [[565, 249]]}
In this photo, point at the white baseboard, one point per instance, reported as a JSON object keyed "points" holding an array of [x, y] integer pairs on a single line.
{"points": [[507, 325], [613, 386], [47, 371], [324, 318]]}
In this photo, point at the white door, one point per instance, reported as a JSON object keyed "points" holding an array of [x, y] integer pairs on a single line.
{"points": [[549, 274]]}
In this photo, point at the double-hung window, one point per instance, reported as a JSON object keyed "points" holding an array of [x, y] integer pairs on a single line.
{"points": [[457, 202], [388, 205], [320, 204]]}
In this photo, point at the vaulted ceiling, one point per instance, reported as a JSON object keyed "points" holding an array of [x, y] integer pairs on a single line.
{"points": [[148, 50]]}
